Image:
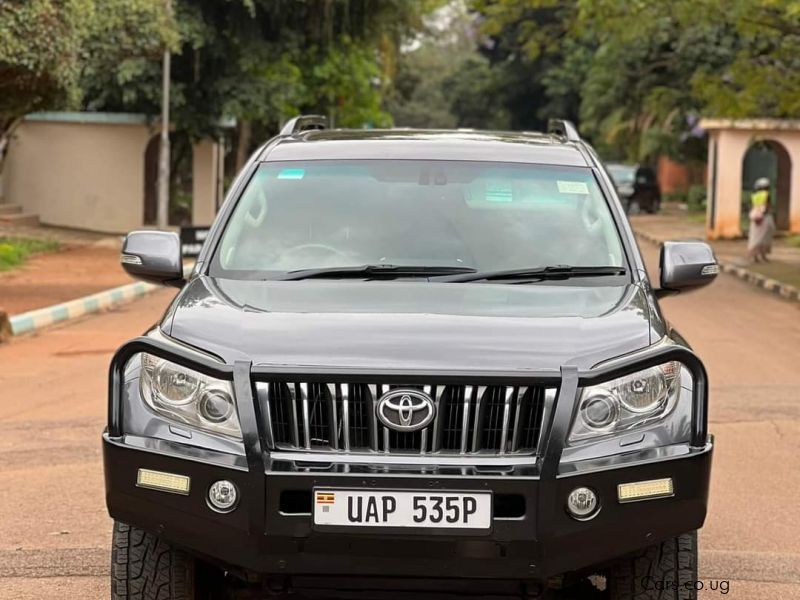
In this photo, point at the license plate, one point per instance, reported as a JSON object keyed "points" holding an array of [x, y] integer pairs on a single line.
{"points": [[411, 509]]}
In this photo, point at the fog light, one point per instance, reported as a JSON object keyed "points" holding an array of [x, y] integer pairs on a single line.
{"points": [[645, 490], [223, 496], [582, 503], [165, 482]]}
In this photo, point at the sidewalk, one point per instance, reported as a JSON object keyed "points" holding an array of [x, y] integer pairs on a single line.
{"points": [[781, 275]]}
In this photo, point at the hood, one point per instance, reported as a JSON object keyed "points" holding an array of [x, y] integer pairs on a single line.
{"points": [[414, 325]]}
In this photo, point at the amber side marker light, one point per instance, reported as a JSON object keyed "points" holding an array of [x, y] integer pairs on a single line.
{"points": [[645, 490], [164, 482]]}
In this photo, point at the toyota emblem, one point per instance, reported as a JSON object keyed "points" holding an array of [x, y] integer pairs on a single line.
{"points": [[406, 410]]}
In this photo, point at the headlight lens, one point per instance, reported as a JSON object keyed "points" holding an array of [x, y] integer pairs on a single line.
{"points": [[626, 403], [189, 397]]}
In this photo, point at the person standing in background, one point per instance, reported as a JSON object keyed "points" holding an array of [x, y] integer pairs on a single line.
{"points": [[762, 223]]}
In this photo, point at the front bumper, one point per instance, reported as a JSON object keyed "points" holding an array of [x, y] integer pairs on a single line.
{"points": [[544, 541], [541, 540]]}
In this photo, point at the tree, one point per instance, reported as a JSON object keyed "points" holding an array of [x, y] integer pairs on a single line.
{"points": [[48, 47], [39, 50], [624, 70], [261, 61], [763, 79]]}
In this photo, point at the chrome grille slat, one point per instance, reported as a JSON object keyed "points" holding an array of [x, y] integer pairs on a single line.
{"points": [[269, 436], [372, 390], [465, 419], [476, 430], [506, 417], [516, 431], [293, 414], [480, 420], [333, 423], [346, 412], [306, 421], [438, 423]]}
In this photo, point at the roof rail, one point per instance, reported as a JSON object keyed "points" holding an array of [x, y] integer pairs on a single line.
{"points": [[304, 123], [563, 128]]}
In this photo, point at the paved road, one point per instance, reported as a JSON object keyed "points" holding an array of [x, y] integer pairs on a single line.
{"points": [[54, 532]]}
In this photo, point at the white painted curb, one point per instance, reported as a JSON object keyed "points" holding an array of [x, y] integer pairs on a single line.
{"points": [[43, 317]]}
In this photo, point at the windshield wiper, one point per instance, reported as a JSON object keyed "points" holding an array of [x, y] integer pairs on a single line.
{"points": [[539, 273], [374, 270]]}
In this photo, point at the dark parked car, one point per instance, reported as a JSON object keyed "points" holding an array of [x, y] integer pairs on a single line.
{"points": [[412, 361], [637, 187]]}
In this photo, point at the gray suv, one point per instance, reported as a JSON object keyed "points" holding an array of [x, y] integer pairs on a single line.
{"points": [[410, 361]]}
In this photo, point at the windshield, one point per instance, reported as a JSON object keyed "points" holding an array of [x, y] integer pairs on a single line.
{"points": [[622, 174], [481, 216]]}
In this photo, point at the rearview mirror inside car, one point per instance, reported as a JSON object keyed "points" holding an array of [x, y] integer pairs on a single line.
{"points": [[685, 266], [153, 256]]}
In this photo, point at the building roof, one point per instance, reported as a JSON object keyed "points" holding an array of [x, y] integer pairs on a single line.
{"points": [[462, 144], [750, 124], [89, 117], [106, 118]]}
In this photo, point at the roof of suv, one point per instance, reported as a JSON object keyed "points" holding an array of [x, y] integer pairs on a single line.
{"points": [[409, 144]]}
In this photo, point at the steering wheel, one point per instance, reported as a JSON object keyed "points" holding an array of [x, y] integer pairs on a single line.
{"points": [[314, 249]]}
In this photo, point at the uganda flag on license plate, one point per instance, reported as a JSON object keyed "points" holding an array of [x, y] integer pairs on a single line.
{"points": [[325, 498]]}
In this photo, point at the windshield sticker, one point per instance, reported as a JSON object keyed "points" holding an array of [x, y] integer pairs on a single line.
{"points": [[291, 173], [498, 193], [572, 187]]}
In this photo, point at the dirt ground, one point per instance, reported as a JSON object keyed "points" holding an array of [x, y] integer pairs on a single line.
{"points": [[55, 532], [47, 279]]}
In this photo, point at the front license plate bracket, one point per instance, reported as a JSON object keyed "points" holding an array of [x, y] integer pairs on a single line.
{"points": [[402, 511]]}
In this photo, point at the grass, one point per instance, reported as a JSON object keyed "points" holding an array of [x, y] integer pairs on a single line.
{"points": [[793, 240], [15, 250]]}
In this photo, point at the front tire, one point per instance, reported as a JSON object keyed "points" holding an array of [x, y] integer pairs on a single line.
{"points": [[666, 571], [143, 567]]}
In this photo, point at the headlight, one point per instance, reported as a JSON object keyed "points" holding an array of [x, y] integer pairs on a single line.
{"points": [[626, 403], [189, 397]]}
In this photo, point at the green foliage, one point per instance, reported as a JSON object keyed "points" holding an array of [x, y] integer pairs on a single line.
{"points": [[696, 198], [39, 50], [49, 50], [444, 82], [262, 61], [14, 251], [123, 47], [677, 197], [346, 82], [418, 97], [638, 74], [764, 77], [39, 45]]}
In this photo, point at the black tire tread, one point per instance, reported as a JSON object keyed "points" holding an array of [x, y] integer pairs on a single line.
{"points": [[673, 562], [143, 567]]}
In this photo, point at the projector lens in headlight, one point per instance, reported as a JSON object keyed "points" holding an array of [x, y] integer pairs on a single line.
{"points": [[600, 410], [215, 405]]}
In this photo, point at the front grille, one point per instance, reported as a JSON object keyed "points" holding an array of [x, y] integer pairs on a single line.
{"points": [[341, 417]]}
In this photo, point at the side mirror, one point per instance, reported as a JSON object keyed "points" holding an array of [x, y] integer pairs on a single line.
{"points": [[153, 256], [686, 266]]}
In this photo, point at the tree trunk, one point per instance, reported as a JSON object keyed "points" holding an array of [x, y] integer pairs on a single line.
{"points": [[5, 141], [245, 134]]}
